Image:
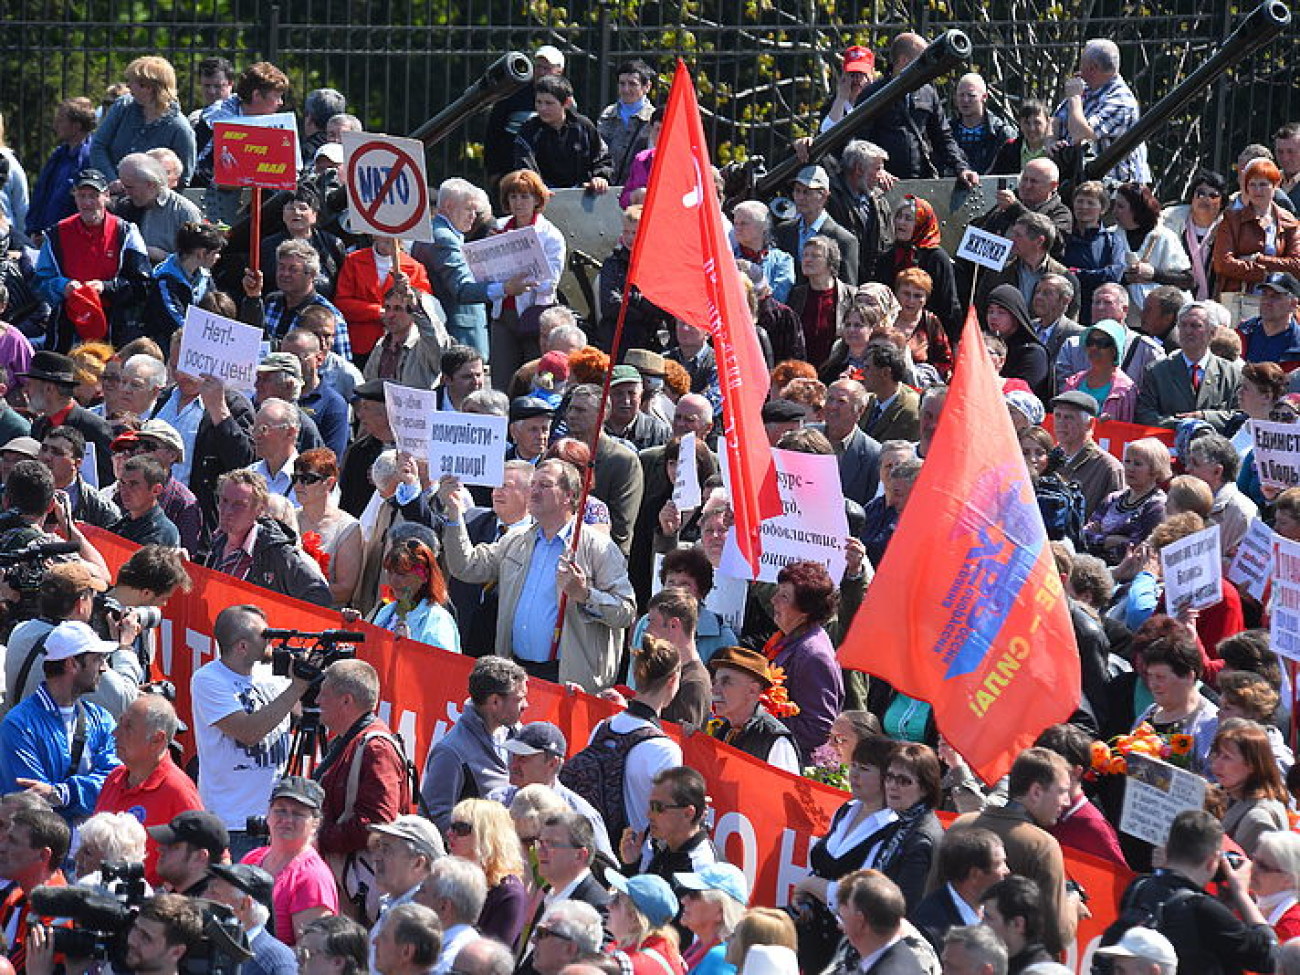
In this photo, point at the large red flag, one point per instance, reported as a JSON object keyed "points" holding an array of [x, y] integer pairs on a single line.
{"points": [[967, 610], [682, 263]]}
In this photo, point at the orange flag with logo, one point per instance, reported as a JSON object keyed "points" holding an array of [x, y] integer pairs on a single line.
{"points": [[967, 610], [682, 262]]}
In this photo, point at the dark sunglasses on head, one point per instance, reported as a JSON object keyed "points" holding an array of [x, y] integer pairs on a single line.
{"points": [[306, 477], [460, 828]]}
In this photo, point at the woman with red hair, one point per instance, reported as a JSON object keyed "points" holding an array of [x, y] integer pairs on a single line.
{"points": [[418, 609], [1257, 238], [917, 244]]}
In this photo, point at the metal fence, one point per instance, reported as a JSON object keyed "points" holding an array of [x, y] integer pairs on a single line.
{"points": [[764, 66]]}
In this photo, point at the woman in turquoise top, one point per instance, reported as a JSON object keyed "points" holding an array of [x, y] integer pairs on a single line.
{"points": [[1104, 380], [714, 900], [418, 607]]}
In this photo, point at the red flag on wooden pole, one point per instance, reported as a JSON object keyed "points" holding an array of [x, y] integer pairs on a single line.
{"points": [[967, 610], [681, 261]]}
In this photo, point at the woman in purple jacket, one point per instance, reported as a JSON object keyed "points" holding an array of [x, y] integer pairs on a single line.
{"points": [[805, 598]]}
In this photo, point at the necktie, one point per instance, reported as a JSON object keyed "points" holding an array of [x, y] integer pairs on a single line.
{"points": [[1197, 373]]}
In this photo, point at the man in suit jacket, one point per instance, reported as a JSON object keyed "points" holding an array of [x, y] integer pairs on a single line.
{"points": [[871, 910], [463, 299], [1031, 237], [857, 453], [566, 846], [1051, 303], [970, 863], [812, 188], [1193, 382], [894, 410], [49, 386]]}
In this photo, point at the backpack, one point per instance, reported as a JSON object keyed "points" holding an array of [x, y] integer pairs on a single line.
{"points": [[1062, 505], [596, 773], [1134, 912]]}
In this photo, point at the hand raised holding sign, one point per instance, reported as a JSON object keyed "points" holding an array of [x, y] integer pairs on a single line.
{"points": [[519, 284], [252, 283]]}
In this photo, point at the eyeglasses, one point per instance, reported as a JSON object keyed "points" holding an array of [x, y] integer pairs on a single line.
{"points": [[264, 428], [894, 778], [1206, 193], [657, 807], [541, 934], [306, 477], [459, 827], [545, 844], [1099, 344]]}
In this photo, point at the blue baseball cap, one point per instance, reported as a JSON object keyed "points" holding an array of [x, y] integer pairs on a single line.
{"points": [[717, 876], [651, 895]]}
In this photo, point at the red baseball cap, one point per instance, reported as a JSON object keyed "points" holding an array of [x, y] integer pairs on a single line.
{"points": [[859, 59]]}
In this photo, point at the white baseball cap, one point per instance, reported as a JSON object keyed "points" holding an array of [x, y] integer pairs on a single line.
{"points": [[1145, 943], [73, 638], [551, 55]]}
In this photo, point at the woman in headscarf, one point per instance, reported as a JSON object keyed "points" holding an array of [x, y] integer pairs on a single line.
{"points": [[1104, 380], [1008, 318], [916, 244]]}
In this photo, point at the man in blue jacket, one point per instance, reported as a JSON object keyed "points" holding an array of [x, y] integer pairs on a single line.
{"points": [[53, 743]]}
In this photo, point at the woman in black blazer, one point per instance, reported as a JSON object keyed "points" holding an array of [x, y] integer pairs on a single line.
{"points": [[913, 791]]}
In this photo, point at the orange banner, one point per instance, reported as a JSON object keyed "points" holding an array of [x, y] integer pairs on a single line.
{"points": [[766, 819]]}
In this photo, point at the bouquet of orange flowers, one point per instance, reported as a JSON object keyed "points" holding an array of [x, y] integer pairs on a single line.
{"points": [[776, 698], [1111, 758]]}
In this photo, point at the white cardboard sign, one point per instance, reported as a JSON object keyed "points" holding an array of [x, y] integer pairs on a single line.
{"points": [[985, 249], [686, 489], [1277, 453], [388, 186], [502, 256], [216, 346], [1193, 570], [1154, 794], [469, 446], [1253, 563], [812, 526], [1284, 624], [409, 413]]}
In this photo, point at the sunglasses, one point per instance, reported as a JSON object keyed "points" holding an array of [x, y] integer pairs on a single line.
{"points": [[1099, 344], [306, 477], [1208, 194], [657, 807], [893, 778], [544, 933], [460, 828]]}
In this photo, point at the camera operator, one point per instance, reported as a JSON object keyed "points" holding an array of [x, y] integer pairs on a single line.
{"points": [[31, 852], [68, 593], [167, 927], [54, 743], [246, 890], [241, 722], [148, 783], [377, 791]]}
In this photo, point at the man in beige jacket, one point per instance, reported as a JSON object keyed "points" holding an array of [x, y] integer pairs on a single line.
{"points": [[532, 566]]}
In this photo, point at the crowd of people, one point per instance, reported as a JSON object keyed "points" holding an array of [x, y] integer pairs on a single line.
{"points": [[509, 848]]}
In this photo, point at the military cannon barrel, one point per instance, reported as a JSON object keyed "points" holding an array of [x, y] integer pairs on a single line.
{"points": [[506, 75], [1260, 27], [949, 50]]}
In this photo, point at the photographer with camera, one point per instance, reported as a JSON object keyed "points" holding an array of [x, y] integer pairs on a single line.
{"points": [[166, 929], [148, 783], [145, 585], [365, 775], [54, 743], [246, 890], [241, 722], [32, 850], [62, 451], [70, 592]]}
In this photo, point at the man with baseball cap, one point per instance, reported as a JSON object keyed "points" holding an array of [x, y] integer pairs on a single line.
{"points": [[402, 853], [1097, 472], [49, 386], [161, 441], [246, 890], [740, 679], [812, 189], [55, 744], [511, 112], [279, 376], [857, 70], [1142, 951], [96, 261], [625, 419], [536, 756], [187, 846], [1274, 334], [530, 428]]}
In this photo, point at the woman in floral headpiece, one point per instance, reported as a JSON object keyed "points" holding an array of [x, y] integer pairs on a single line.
{"points": [[418, 609]]}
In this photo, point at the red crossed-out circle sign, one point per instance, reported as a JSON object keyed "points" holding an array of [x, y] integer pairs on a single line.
{"points": [[401, 184]]}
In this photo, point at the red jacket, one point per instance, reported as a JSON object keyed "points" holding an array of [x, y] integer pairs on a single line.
{"points": [[383, 790], [1240, 234], [359, 294]]}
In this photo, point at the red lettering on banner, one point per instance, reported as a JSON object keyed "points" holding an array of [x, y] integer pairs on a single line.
{"points": [[766, 819]]}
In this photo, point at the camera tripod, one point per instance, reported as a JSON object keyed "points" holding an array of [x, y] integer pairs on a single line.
{"points": [[309, 737]]}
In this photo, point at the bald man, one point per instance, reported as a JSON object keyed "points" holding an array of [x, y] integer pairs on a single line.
{"points": [[980, 133]]}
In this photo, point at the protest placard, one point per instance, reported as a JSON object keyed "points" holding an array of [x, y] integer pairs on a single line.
{"points": [[90, 465], [1155, 792], [468, 446], [812, 526], [983, 248], [686, 488], [1277, 453], [212, 345], [257, 151], [409, 414], [1284, 621], [388, 185], [1193, 571], [1253, 563], [502, 256]]}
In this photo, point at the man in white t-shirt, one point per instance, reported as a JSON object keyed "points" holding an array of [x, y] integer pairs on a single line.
{"points": [[241, 723]]}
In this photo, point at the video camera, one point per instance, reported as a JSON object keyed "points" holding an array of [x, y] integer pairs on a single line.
{"points": [[103, 921], [309, 662], [23, 570]]}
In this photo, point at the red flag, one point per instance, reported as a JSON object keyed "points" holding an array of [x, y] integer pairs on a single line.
{"points": [[682, 263], [967, 610]]}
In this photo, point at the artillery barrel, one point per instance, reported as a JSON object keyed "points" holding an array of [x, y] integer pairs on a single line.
{"points": [[949, 50], [1259, 28]]}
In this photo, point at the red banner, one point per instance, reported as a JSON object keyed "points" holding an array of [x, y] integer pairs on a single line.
{"points": [[1113, 436], [681, 261], [254, 155], [766, 819], [967, 611]]}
